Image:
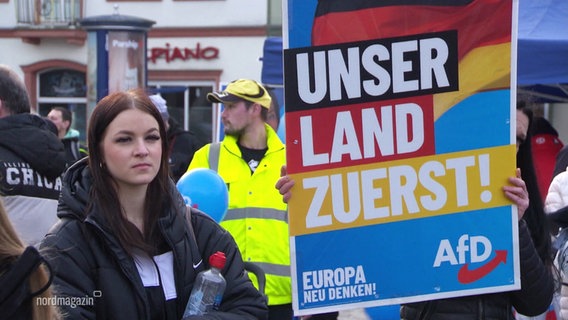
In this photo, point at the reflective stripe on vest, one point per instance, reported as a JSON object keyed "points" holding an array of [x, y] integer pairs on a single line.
{"points": [[270, 269], [274, 269], [260, 213], [214, 151]]}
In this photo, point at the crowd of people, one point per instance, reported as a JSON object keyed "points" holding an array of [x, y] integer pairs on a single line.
{"points": [[109, 225]]}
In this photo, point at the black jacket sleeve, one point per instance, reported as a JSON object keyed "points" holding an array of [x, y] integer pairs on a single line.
{"points": [[559, 217], [71, 265], [537, 284], [241, 299]]}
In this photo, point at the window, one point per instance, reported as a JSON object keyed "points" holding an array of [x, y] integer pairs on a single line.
{"points": [[275, 18], [49, 12], [66, 88], [188, 106]]}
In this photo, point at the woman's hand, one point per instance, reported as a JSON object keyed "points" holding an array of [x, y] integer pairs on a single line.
{"points": [[284, 185], [517, 192]]}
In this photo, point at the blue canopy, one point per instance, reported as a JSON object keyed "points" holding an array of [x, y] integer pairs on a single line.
{"points": [[542, 66], [543, 42], [272, 66]]}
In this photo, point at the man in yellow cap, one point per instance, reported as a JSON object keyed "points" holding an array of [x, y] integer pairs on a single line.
{"points": [[249, 160]]}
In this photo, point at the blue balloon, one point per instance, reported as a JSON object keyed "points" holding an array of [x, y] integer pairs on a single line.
{"points": [[204, 189]]}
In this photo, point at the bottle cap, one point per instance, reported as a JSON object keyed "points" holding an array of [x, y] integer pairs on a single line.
{"points": [[217, 260]]}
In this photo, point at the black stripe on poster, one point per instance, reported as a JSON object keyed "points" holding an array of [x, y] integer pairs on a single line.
{"points": [[374, 70]]}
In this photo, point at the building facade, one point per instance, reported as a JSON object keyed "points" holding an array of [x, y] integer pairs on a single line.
{"points": [[193, 47]]}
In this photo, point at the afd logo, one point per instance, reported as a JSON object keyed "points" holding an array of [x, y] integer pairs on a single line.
{"points": [[478, 249]]}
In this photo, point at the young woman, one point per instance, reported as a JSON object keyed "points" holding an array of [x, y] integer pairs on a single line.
{"points": [[123, 240]]}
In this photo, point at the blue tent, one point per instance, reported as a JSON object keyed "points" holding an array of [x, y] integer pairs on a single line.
{"points": [[542, 65], [272, 77], [272, 65]]}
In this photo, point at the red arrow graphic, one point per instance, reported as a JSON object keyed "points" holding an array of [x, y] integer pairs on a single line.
{"points": [[466, 276]]}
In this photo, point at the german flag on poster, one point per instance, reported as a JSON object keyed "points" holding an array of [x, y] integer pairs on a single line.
{"points": [[398, 125]]}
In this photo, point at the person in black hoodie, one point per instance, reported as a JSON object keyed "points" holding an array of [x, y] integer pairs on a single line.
{"points": [[32, 160], [126, 240]]}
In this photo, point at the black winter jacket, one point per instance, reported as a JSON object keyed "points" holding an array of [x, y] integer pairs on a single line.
{"points": [[88, 260], [73, 150], [534, 297], [183, 145], [31, 157], [16, 297]]}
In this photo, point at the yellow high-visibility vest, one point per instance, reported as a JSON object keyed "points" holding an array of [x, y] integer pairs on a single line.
{"points": [[256, 217]]}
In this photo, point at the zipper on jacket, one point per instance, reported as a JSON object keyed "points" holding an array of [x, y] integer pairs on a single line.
{"points": [[132, 278], [162, 293], [179, 274]]}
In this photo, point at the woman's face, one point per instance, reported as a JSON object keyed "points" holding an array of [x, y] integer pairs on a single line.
{"points": [[132, 148]]}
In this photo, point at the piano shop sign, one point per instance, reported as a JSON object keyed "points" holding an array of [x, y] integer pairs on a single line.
{"points": [[170, 53]]}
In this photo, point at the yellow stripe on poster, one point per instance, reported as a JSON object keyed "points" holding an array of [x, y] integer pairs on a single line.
{"points": [[483, 69], [400, 190]]}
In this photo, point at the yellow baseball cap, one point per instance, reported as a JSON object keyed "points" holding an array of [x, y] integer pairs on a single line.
{"points": [[242, 89]]}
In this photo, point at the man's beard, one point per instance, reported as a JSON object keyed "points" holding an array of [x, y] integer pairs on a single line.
{"points": [[233, 132]]}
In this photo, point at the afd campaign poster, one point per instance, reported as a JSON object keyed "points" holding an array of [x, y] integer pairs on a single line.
{"points": [[400, 135]]}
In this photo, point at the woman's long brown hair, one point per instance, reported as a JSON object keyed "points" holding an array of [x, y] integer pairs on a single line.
{"points": [[11, 249]]}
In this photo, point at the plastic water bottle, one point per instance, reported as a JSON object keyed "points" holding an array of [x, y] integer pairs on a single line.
{"points": [[208, 289]]}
